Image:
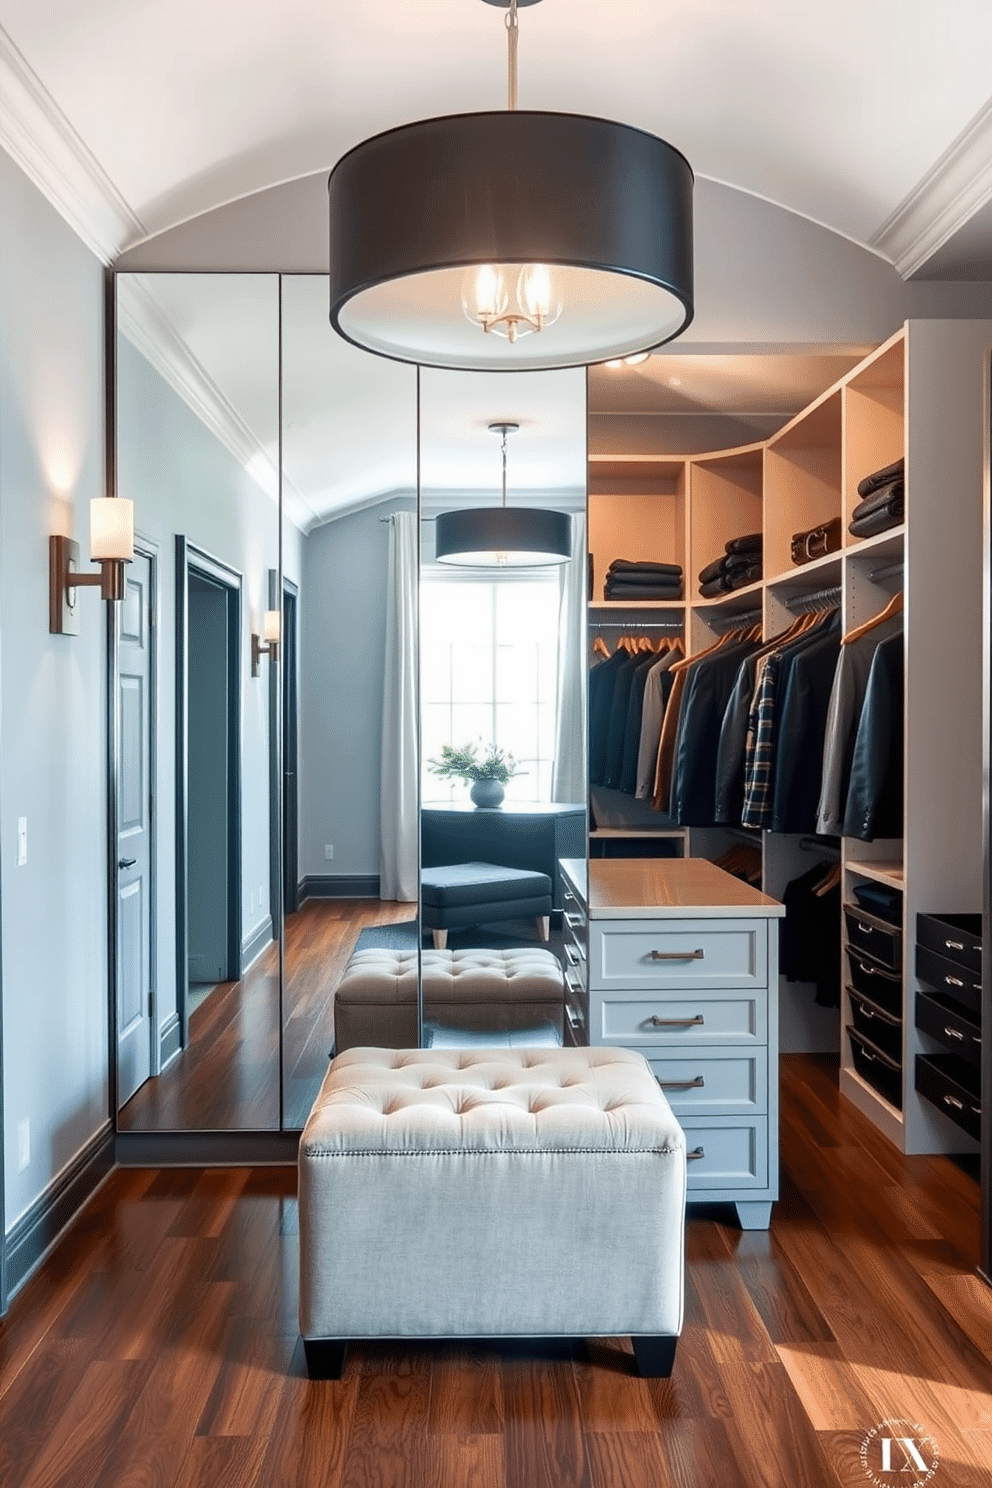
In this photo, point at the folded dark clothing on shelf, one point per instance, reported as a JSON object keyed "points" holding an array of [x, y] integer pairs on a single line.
{"points": [[644, 565], [751, 542], [728, 564], [882, 477], [880, 900], [877, 521], [891, 490], [739, 577], [634, 576], [619, 590], [712, 587]]}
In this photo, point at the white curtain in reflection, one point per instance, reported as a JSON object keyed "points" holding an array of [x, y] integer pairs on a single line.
{"points": [[398, 801], [568, 776]]}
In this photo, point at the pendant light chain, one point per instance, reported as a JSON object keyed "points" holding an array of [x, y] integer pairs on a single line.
{"points": [[512, 37]]}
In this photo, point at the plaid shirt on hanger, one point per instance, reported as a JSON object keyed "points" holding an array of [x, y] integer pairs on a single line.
{"points": [[759, 759]]}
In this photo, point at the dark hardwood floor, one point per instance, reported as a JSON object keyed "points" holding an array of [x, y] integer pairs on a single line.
{"points": [[158, 1346], [227, 1079]]}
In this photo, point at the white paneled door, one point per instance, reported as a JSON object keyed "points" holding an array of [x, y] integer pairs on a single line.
{"points": [[134, 805]]}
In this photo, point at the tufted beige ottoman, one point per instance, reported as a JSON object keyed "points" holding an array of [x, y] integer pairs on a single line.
{"points": [[495, 1193], [480, 991]]}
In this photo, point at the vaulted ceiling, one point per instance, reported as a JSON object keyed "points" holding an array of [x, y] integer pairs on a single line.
{"points": [[145, 120]]}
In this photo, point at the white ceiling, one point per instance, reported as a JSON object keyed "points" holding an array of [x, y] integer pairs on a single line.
{"points": [[871, 117], [835, 111]]}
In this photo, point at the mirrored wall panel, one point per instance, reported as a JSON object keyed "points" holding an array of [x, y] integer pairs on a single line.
{"points": [[349, 700], [197, 965], [502, 688]]}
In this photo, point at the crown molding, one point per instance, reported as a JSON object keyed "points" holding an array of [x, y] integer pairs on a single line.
{"points": [[40, 139], [152, 333], [956, 186]]}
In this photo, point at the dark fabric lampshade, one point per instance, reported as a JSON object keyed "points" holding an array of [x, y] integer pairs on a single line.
{"points": [[606, 208], [503, 537]]}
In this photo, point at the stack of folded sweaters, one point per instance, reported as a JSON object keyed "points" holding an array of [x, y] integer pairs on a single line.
{"points": [[642, 580], [740, 565], [882, 503]]}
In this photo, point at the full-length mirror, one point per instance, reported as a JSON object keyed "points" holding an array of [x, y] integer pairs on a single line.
{"points": [[197, 973], [502, 703], [349, 699]]}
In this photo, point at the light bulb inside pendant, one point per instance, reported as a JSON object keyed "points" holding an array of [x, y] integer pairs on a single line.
{"points": [[486, 300]]}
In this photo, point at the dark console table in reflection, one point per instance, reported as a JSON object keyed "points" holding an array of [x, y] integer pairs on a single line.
{"points": [[522, 835]]}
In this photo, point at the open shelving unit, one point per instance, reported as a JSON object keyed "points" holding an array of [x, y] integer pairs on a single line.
{"points": [[919, 396]]}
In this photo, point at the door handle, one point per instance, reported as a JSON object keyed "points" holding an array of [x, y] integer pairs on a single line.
{"points": [[126, 862]]}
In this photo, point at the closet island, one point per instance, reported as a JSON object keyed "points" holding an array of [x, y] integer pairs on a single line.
{"points": [[678, 960]]}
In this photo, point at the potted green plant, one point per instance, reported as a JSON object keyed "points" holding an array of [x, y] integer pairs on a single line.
{"points": [[488, 773]]}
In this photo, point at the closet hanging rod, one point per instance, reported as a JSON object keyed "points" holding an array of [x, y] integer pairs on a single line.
{"points": [[675, 625], [734, 622], [750, 835], [825, 849], [824, 599], [887, 571]]}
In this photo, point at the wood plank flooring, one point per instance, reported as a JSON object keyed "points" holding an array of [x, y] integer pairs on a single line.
{"points": [[158, 1346], [227, 1079]]}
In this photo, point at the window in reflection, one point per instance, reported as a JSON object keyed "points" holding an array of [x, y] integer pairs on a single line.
{"points": [[492, 678]]}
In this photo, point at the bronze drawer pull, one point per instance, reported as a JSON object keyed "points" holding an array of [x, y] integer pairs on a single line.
{"points": [[954, 1033], [954, 945], [697, 1083], [696, 1152], [657, 1022], [953, 981], [678, 955]]}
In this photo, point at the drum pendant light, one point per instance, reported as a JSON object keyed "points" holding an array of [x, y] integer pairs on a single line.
{"points": [[511, 241], [502, 536]]}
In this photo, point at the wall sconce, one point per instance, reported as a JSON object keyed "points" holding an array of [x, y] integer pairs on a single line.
{"points": [[272, 631], [111, 545]]}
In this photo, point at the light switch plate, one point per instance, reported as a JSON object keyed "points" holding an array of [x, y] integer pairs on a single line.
{"points": [[63, 603]]}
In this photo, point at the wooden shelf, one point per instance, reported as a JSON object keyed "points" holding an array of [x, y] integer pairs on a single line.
{"points": [[890, 873], [819, 573], [626, 833], [595, 606]]}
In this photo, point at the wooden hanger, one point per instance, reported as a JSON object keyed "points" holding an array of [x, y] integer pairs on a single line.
{"points": [[830, 881], [894, 607], [600, 648]]}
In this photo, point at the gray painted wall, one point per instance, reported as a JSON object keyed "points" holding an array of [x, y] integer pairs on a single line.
{"points": [[342, 642], [53, 761], [183, 480]]}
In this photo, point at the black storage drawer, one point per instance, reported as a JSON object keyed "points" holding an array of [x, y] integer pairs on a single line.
{"points": [[883, 987], [952, 1086], [956, 936], [950, 978], [882, 1073], [943, 1020], [880, 940], [878, 1026]]}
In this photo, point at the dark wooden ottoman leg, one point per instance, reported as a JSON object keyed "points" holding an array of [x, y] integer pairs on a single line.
{"points": [[325, 1357], [655, 1356]]}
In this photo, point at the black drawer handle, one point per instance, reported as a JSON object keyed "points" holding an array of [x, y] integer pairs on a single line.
{"points": [[953, 981], [952, 1100], [695, 1154], [657, 1022], [696, 955], [696, 1084], [954, 945], [954, 1033]]}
